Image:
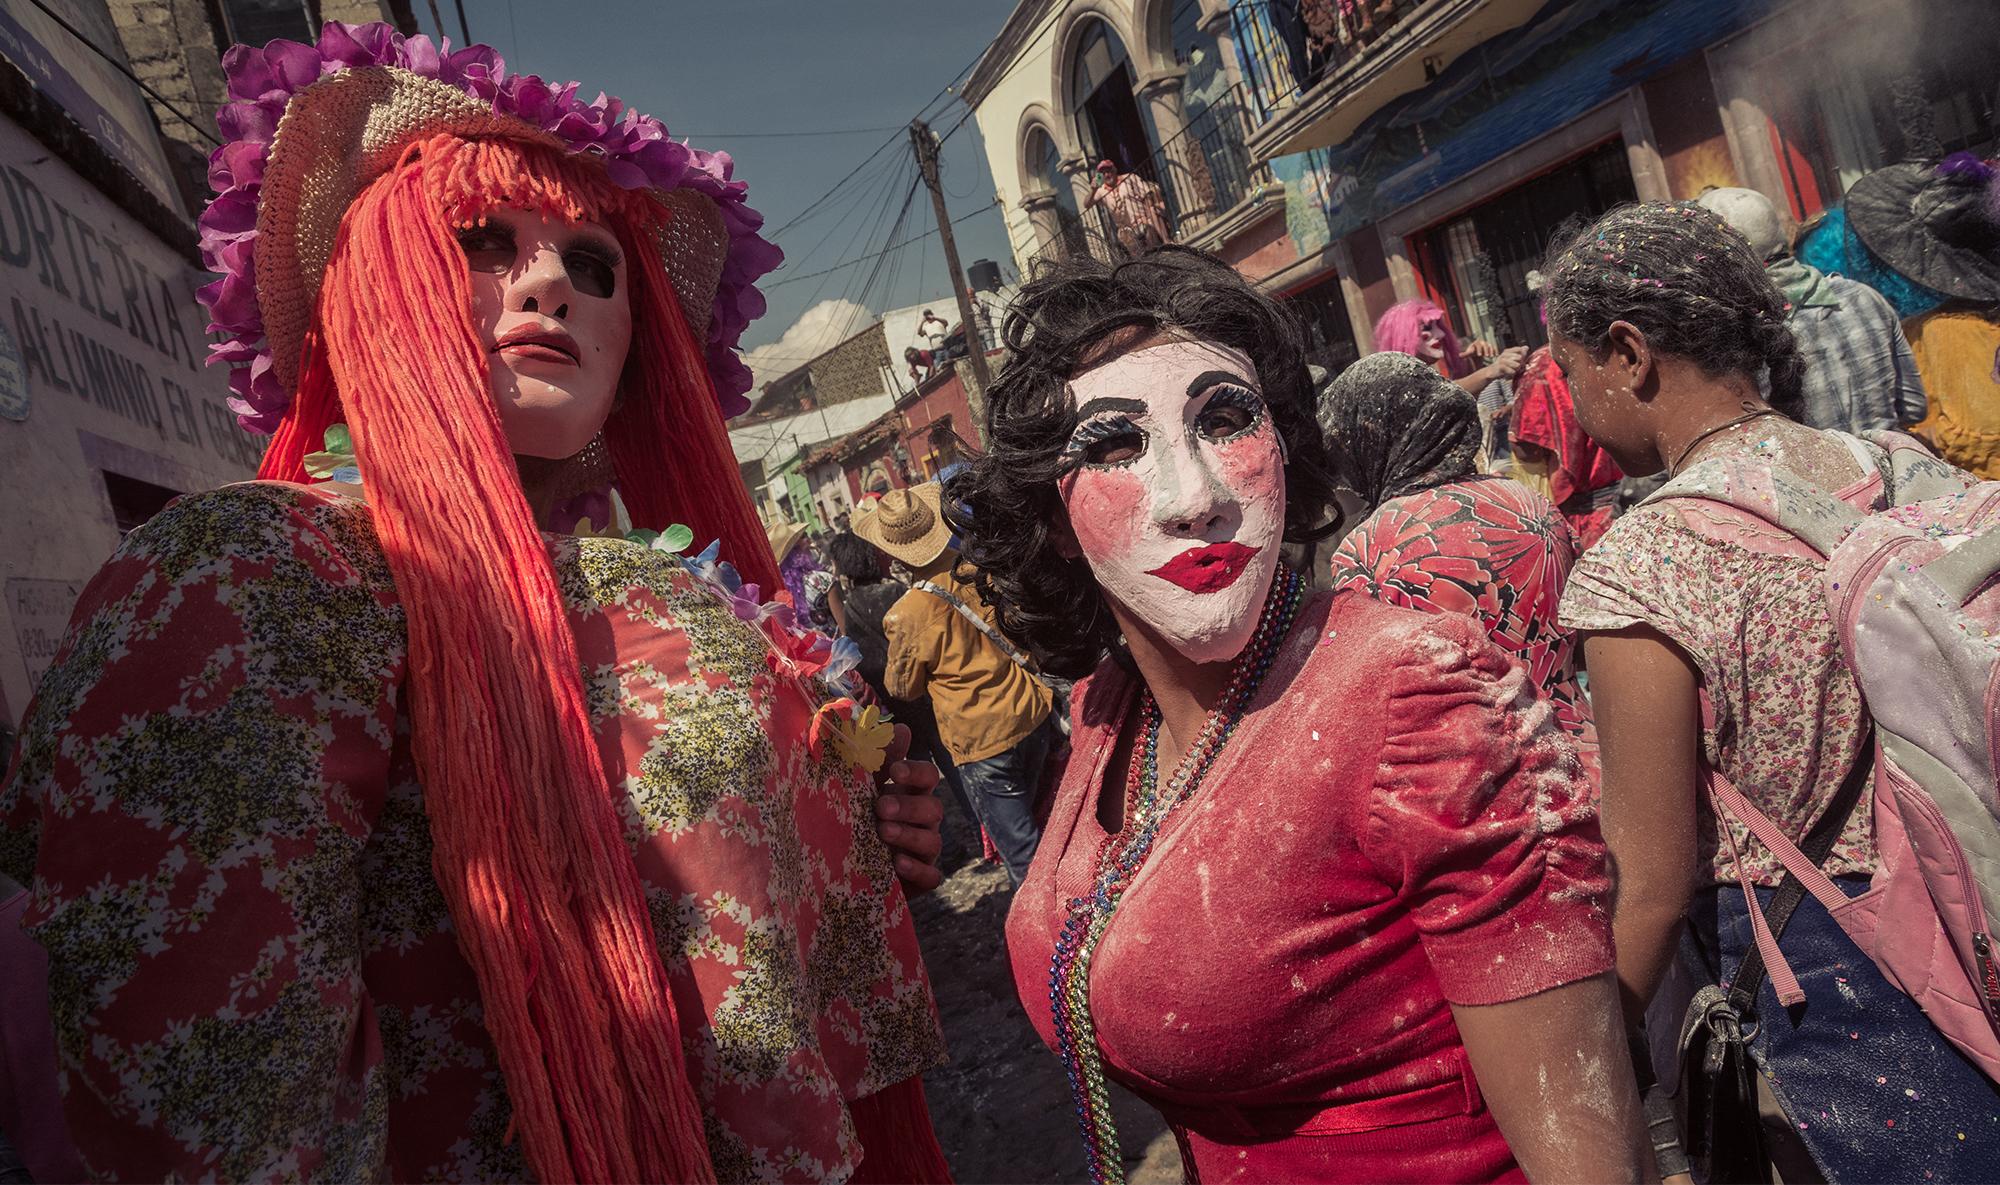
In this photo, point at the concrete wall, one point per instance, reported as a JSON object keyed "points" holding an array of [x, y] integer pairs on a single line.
{"points": [[1022, 94], [173, 48], [101, 370]]}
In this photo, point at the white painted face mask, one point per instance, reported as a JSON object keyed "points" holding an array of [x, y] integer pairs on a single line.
{"points": [[1177, 499]]}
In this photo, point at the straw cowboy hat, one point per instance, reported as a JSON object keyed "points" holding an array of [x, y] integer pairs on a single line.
{"points": [[784, 536], [907, 524]]}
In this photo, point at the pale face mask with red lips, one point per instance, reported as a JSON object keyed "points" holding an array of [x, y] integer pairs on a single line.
{"points": [[1177, 494]]}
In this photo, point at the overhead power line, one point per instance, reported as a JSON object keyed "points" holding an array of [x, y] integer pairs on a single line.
{"points": [[122, 68], [885, 251], [780, 135]]}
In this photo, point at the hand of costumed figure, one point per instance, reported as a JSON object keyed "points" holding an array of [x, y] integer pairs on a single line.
{"points": [[908, 816]]}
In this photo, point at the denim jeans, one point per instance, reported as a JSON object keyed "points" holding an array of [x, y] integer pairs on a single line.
{"points": [[1003, 788], [1874, 1091]]}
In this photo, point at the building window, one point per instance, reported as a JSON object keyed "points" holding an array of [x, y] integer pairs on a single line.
{"points": [[133, 502], [1479, 262], [1329, 332], [1108, 120], [257, 22]]}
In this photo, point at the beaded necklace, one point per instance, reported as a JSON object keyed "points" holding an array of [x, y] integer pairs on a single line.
{"points": [[1119, 858]]}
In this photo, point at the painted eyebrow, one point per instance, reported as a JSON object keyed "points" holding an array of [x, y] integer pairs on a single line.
{"points": [[1133, 406], [1215, 378]]}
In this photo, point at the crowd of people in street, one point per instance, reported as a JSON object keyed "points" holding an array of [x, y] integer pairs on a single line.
{"points": [[1485, 763]]}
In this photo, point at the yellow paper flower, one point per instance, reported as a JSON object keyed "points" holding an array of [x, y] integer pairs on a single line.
{"points": [[860, 734], [864, 738]]}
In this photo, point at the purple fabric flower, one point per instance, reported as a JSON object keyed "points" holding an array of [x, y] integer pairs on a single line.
{"points": [[1968, 166], [636, 149]]}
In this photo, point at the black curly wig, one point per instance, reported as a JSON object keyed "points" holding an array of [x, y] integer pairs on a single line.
{"points": [[1073, 315], [1689, 281]]}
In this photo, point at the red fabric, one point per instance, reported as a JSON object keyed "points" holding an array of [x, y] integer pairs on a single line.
{"points": [[291, 971], [898, 1145], [1545, 417], [1389, 829], [1494, 550]]}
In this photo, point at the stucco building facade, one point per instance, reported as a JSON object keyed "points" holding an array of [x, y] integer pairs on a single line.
{"points": [[107, 408], [1431, 148]]}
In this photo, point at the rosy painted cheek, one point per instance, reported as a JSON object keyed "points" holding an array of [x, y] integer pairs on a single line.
{"points": [[1107, 508], [1253, 468]]}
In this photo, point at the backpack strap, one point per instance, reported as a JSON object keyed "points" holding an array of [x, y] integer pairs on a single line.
{"points": [[1769, 493], [1801, 860], [1965, 569], [985, 627]]}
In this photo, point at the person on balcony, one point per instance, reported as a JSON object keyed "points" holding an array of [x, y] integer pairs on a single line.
{"points": [[1138, 209], [931, 331]]}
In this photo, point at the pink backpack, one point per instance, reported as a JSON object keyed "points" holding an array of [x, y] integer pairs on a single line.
{"points": [[1913, 592]]}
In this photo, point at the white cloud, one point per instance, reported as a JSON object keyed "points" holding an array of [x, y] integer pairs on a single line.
{"points": [[817, 330]]}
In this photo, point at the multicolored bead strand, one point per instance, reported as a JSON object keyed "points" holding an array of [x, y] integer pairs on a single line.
{"points": [[1119, 858]]}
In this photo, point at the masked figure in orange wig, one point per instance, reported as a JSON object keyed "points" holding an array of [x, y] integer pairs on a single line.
{"points": [[418, 811]]}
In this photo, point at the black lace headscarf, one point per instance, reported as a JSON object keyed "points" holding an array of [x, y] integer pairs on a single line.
{"points": [[1394, 426]]}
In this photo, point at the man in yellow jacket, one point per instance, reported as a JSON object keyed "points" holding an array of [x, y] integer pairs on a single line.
{"points": [[993, 710]]}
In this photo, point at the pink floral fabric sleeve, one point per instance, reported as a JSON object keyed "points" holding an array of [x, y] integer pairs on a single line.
{"points": [[1743, 600], [1483, 816], [253, 972], [205, 949]]}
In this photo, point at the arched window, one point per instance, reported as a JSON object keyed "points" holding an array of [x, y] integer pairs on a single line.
{"points": [[1109, 124], [1197, 53], [1046, 161]]}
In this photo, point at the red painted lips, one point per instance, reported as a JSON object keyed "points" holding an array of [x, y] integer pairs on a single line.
{"points": [[1207, 569], [541, 345]]}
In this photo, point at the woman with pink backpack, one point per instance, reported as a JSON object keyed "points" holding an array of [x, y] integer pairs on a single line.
{"points": [[1724, 688]]}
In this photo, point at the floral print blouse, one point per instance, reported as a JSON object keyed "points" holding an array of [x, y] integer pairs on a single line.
{"points": [[1491, 549], [1782, 718], [252, 971]]}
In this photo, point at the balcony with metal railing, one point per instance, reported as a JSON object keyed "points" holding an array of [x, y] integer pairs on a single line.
{"points": [[1206, 171], [1316, 69], [1205, 174]]}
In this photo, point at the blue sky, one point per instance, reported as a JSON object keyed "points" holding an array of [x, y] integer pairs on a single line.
{"points": [[716, 70]]}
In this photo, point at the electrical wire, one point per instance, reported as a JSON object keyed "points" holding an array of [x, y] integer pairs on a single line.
{"points": [[122, 68], [784, 135], [944, 90], [895, 179], [894, 247]]}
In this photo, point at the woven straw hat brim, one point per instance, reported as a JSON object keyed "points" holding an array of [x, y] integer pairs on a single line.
{"points": [[915, 551], [348, 129], [783, 537], [1888, 209]]}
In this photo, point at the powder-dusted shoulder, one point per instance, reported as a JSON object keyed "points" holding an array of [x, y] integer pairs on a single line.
{"points": [[1376, 639], [260, 521]]}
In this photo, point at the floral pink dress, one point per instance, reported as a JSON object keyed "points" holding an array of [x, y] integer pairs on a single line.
{"points": [[1781, 717], [252, 972], [1494, 550]]}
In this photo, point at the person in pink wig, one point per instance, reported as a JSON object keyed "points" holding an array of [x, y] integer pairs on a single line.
{"points": [[1419, 328]]}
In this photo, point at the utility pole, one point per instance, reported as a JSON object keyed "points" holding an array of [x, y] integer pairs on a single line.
{"points": [[927, 161]]}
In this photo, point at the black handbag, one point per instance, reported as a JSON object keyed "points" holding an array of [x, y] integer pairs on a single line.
{"points": [[1717, 1099]]}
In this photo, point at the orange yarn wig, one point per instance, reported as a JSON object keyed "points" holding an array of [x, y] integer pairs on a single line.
{"points": [[529, 848]]}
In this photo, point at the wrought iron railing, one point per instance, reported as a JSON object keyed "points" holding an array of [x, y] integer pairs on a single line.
{"points": [[1287, 47], [1203, 172], [1206, 170]]}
